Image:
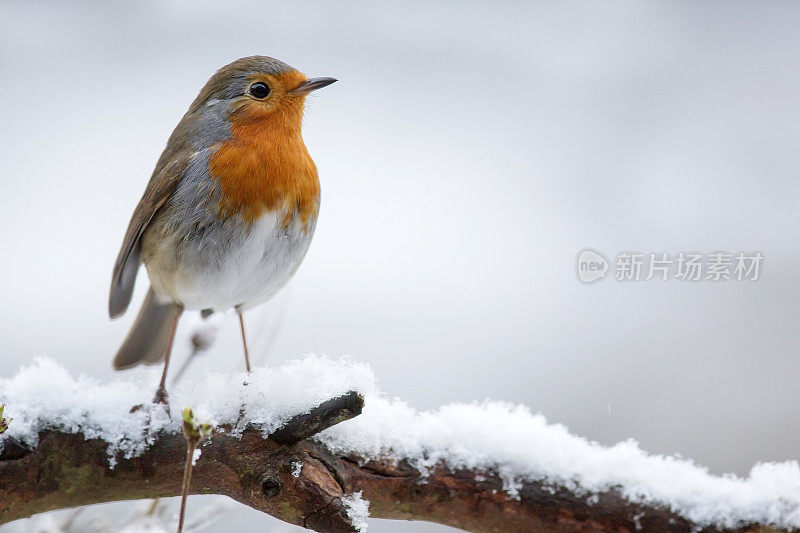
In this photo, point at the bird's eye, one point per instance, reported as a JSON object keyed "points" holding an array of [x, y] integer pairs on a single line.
{"points": [[259, 90]]}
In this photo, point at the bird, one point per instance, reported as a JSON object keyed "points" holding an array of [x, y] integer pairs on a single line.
{"points": [[229, 212]]}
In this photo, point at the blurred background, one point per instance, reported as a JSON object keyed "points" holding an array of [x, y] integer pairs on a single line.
{"points": [[468, 153]]}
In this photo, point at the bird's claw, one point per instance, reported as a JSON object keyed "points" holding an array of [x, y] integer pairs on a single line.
{"points": [[162, 397]]}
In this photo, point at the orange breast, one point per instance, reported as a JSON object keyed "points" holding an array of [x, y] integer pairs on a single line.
{"points": [[265, 166]]}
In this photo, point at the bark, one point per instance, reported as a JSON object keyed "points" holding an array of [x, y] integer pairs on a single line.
{"points": [[65, 470]]}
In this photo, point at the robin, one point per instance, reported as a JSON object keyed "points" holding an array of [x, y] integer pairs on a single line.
{"points": [[229, 212]]}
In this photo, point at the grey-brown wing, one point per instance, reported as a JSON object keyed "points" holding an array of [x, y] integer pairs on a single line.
{"points": [[165, 179]]}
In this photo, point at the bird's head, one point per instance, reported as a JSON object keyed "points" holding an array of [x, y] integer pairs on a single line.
{"points": [[259, 89]]}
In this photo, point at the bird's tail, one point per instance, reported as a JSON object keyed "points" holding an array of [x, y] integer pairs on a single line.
{"points": [[149, 338]]}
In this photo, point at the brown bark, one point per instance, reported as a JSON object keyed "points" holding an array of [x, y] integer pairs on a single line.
{"points": [[67, 471]]}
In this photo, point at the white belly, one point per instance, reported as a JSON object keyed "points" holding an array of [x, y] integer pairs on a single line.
{"points": [[227, 264]]}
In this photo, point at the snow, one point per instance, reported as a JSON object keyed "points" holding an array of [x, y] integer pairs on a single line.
{"points": [[521, 446], [493, 438], [44, 394], [357, 511], [196, 456], [297, 468]]}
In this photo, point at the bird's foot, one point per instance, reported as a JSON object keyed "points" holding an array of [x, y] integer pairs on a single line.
{"points": [[162, 397]]}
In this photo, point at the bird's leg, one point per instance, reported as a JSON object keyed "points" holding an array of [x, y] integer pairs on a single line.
{"points": [[244, 339], [246, 362], [161, 392]]}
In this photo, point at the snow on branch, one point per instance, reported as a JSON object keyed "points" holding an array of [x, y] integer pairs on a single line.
{"points": [[284, 445]]}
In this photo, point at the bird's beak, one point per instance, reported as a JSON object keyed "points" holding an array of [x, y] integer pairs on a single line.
{"points": [[312, 84]]}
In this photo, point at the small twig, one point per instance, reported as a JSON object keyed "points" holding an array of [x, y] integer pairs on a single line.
{"points": [[70, 521], [187, 476], [202, 339], [194, 432], [153, 507], [320, 418]]}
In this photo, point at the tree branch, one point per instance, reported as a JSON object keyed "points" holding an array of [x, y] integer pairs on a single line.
{"points": [[303, 483], [326, 415]]}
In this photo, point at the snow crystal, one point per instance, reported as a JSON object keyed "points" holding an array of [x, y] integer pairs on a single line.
{"points": [[493, 438], [357, 511], [196, 456], [297, 467]]}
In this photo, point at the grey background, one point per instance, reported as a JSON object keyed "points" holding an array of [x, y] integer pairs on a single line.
{"points": [[468, 153]]}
